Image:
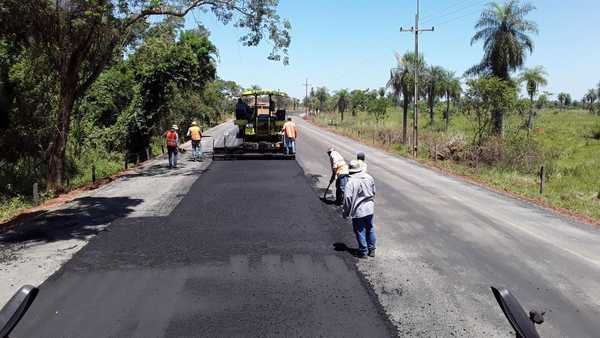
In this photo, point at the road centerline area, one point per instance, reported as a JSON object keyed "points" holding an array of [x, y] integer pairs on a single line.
{"points": [[247, 252]]}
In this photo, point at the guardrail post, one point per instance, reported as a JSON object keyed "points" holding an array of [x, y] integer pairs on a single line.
{"points": [[36, 195]]}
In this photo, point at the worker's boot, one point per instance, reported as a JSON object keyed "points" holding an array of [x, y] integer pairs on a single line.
{"points": [[371, 253]]}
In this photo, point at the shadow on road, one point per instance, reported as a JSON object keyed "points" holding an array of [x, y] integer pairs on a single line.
{"points": [[342, 247], [80, 219]]}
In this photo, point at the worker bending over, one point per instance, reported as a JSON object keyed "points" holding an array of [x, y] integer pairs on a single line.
{"points": [[195, 133], [339, 173], [290, 132], [172, 143], [359, 204]]}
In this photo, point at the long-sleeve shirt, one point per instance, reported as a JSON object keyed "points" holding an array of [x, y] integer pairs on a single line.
{"points": [[359, 196], [338, 164]]}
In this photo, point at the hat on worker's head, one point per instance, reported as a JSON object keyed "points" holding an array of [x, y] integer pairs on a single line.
{"points": [[194, 123], [174, 127], [360, 156], [354, 167], [330, 150]]}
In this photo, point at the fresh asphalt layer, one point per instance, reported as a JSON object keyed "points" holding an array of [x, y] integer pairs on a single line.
{"points": [[249, 251]]}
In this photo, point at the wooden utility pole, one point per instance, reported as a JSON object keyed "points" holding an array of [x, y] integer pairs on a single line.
{"points": [[416, 30], [306, 85]]}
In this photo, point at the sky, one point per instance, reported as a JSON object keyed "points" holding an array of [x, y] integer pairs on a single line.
{"points": [[351, 43]]}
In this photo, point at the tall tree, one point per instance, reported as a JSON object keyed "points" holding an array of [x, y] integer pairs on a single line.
{"points": [[343, 99], [451, 89], [322, 94], [534, 78], [590, 98], [434, 87], [80, 38], [402, 80], [504, 30]]}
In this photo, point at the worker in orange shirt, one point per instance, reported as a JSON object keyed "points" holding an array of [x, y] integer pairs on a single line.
{"points": [[195, 133], [172, 143], [290, 133]]}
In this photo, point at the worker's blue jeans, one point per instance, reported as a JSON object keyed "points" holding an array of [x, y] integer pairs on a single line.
{"points": [[365, 233], [196, 149], [290, 145], [172, 157], [340, 188]]}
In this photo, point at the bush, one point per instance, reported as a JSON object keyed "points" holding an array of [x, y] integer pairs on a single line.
{"points": [[595, 132]]}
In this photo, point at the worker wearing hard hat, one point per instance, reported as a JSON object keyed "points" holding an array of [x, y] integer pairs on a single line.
{"points": [[172, 139], [339, 173], [195, 133], [359, 204], [290, 133]]}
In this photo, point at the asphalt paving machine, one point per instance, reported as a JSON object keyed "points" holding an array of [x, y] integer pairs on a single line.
{"points": [[259, 118]]}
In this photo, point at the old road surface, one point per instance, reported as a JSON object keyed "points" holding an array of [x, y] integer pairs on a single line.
{"points": [[443, 242], [249, 252]]}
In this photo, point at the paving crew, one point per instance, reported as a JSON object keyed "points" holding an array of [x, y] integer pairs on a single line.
{"points": [[290, 133], [359, 204], [360, 157], [339, 173], [172, 143], [195, 133]]}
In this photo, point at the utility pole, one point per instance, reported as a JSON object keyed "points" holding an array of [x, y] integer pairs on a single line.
{"points": [[416, 30], [306, 85]]}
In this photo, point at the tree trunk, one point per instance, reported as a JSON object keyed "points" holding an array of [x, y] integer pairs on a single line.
{"points": [[530, 118], [342, 112], [431, 104], [498, 123], [447, 117], [404, 119], [58, 147]]}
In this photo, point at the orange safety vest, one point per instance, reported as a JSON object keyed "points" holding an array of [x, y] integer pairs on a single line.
{"points": [[195, 133], [171, 138], [289, 129]]}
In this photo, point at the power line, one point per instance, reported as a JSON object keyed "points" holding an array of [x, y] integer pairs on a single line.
{"points": [[456, 11], [455, 4], [416, 30], [457, 18], [306, 85]]}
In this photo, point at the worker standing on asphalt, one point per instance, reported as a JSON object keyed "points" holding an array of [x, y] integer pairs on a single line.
{"points": [[339, 172], [172, 142], [359, 204], [290, 132], [360, 157], [195, 133]]}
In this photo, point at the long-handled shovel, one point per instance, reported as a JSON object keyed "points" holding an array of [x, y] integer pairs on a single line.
{"points": [[326, 191]]}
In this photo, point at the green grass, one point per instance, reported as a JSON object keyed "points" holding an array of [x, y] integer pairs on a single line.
{"points": [[567, 139]]}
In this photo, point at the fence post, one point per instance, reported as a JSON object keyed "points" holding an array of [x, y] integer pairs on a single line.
{"points": [[147, 153], [373, 137], [542, 180], [435, 152], [36, 195], [94, 174], [126, 160]]}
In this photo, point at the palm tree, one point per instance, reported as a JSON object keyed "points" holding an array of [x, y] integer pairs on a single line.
{"points": [[402, 82], [534, 78], [434, 89], [563, 98], [590, 97], [451, 90], [343, 98], [503, 29]]}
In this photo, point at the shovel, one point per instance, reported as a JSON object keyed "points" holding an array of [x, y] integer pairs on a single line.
{"points": [[326, 191]]}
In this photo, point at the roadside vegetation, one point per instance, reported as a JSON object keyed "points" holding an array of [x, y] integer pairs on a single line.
{"points": [[96, 83], [494, 124]]}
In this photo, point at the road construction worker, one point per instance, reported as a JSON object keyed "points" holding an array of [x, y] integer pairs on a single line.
{"points": [[360, 157], [195, 133], [290, 133], [359, 204], [172, 139], [339, 173]]}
